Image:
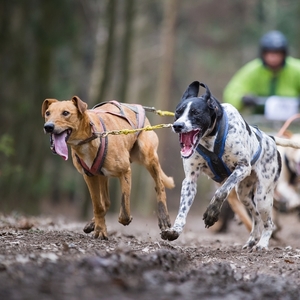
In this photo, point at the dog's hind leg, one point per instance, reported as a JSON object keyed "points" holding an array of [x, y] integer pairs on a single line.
{"points": [[125, 181], [154, 168], [97, 186], [145, 152], [264, 205], [246, 193]]}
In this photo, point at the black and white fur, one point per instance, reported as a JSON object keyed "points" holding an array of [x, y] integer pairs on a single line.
{"points": [[196, 120]]}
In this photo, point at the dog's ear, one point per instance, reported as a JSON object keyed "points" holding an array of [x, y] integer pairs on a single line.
{"points": [[207, 94], [81, 106], [46, 104], [192, 91], [212, 102]]}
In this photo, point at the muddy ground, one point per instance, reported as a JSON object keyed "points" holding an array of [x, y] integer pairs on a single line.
{"points": [[51, 258]]}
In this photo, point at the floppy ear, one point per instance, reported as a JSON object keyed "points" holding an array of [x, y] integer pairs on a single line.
{"points": [[46, 104], [192, 91], [81, 106]]}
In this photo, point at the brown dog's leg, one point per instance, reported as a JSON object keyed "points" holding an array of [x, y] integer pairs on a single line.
{"points": [[156, 172], [239, 209], [97, 185], [145, 153], [125, 181]]}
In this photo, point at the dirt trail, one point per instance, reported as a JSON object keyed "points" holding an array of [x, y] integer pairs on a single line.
{"points": [[51, 258]]}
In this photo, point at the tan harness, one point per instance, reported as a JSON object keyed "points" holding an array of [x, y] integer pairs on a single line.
{"points": [[102, 150]]}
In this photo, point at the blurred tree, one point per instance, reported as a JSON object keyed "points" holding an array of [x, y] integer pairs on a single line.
{"points": [[135, 51], [31, 32], [126, 50]]}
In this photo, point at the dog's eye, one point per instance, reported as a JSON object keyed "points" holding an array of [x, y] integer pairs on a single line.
{"points": [[179, 111], [65, 113], [195, 112], [47, 113]]}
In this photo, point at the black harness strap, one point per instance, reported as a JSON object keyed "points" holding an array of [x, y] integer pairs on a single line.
{"points": [[214, 159]]}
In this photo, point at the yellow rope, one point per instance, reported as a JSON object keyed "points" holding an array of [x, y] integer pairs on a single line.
{"points": [[147, 128], [158, 112], [164, 113], [128, 131]]}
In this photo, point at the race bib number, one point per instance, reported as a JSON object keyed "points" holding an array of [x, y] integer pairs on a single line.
{"points": [[281, 108]]}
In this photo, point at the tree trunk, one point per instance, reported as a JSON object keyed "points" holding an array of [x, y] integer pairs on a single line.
{"points": [[105, 79], [126, 50]]}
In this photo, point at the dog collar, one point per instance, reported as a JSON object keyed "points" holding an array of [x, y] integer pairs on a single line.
{"points": [[92, 137]]}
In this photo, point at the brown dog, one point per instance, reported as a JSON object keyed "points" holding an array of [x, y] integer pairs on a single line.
{"points": [[98, 157]]}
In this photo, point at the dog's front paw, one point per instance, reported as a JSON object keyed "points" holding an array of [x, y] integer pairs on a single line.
{"points": [[99, 231], [99, 234], [89, 227], [169, 234], [211, 216], [125, 220]]}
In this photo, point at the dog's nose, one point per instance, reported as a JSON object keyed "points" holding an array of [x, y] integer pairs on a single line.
{"points": [[49, 127], [178, 126]]}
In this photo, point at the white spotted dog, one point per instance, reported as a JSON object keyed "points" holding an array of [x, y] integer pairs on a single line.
{"points": [[216, 140]]}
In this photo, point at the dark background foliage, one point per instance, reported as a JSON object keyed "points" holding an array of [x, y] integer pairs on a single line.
{"points": [[134, 51]]}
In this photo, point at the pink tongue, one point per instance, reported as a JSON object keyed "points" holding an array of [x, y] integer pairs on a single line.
{"points": [[60, 145], [186, 140]]}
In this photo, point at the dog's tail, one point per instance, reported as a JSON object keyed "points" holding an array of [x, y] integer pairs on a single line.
{"points": [[286, 142], [167, 181]]}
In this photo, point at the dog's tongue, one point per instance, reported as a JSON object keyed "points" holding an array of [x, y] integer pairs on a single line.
{"points": [[60, 144], [186, 142]]}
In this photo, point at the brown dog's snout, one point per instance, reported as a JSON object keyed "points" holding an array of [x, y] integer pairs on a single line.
{"points": [[49, 127]]}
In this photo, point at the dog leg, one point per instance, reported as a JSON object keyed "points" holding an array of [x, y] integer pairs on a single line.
{"points": [[212, 213], [246, 193], [265, 210], [145, 153], [239, 209], [188, 193], [156, 172], [125, 181], [97, 186], [90, 226]]}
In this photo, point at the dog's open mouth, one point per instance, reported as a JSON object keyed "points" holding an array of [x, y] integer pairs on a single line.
{"points": [[59, 143], [188, 142]]}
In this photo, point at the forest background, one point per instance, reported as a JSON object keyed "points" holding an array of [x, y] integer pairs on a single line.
{"points": [[135, 51]]}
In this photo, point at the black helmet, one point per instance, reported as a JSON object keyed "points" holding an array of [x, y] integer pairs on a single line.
{"points": [[274, 41]]}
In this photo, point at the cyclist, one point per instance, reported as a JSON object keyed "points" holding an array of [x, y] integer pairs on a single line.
{"points": [[273, 73]]}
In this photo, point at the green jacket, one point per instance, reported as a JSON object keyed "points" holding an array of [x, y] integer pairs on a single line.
{"points": [[257, 80]]}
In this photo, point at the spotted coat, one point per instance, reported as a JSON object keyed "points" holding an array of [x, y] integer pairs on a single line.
{"points": [[254, 184]]}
